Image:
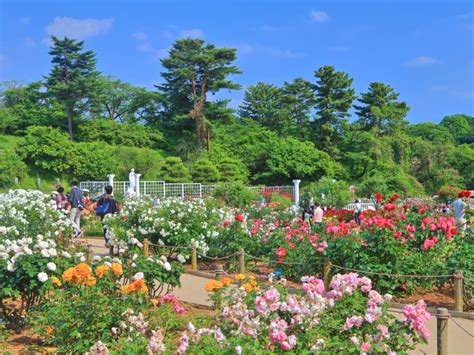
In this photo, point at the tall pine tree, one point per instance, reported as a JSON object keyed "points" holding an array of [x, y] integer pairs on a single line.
{"points": [[72, 78]]}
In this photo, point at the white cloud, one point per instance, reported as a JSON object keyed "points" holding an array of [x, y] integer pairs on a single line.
{"points": [[192, 33], [29, 42], [140, 36], [318, 16], [422, 60], [25, 20], [75, 28], [257, 49]]}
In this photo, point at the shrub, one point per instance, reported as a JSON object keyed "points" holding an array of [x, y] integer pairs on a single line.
{"points": [[47, 149], [235, 194], [172, 169], [11, 167], [145, 161], [205, 172], [232, 170], [92, 161], [336, 193]]}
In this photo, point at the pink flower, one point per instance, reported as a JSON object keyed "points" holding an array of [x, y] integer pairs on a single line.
{"points": [[365, 347]]}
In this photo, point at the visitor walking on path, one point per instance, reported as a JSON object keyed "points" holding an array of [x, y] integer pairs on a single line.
{"points": [[318, 214], [75, 200], [106, 204], [61, 199], [459, 207], [357, 212]]}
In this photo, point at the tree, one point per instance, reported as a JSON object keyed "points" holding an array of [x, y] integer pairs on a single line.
{"points": [[73, 77], [298, 99], [194, 69], [11, 167], [173, 170], [263, 103], [381, 112], [123, 102], [460, 126], [205, 172], [431, 132], [232, 170], [334, 97], [336, 193]]}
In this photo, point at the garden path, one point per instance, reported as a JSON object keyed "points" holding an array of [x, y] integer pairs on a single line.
{"points": [[192, 291]]}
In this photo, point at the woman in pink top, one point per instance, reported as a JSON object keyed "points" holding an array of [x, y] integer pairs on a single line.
{"points": [[318, 214]]}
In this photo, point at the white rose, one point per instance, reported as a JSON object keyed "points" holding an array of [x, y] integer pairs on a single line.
{"points": [[53, 252], [51, 266], [45, 253], [3, 230], [66, 254], [181, 259], [11, 267], [43, 277], [167, 266], [138, 276], [42, 245]]}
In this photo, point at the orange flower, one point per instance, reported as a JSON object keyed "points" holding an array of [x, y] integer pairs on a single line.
{"points": [[117, 269], [123, 289], [247, 287], [227, 281], [82, 270], [213, 285], [49, 330], [101, 270], [240, 277], [68, 274], [138, 285], [90, 281], [55, 281]]}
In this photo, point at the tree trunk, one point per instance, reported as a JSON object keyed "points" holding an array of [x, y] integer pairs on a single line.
{"points": [[208, 139], [69, 124]]}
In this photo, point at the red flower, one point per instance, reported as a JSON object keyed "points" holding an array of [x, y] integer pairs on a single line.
{"points": [[281, 252], [291, 245], [406, 207], [239, 217], [378, 196], [227, 223]]}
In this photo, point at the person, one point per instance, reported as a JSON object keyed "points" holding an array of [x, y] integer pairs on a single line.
{"points": [[60, 199], [357, 212], [459, 207], [75, 201], [110, 203], [318, 214]]}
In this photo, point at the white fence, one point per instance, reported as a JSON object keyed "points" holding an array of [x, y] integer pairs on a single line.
{"points": [[163, 189], [365, 206]]}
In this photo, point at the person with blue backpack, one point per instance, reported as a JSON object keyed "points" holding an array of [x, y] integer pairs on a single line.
{"points": [[106, 204]]}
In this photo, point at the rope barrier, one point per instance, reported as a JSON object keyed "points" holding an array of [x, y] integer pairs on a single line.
{"points": [[273, 261], [168, 246], [217, 258], [392, 275], [460, 326]]}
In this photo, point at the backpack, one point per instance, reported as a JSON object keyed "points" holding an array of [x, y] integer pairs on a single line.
{"points": [[102, 209]]}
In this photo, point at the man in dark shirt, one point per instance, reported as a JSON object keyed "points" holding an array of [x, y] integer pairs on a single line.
{"points": [[75, 200], [111, 207]]}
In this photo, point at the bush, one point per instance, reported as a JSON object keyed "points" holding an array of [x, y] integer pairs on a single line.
{"points": [[205, 172], [232, 170], [145, 161], [235, 194], [336, 193], [46, 148], [11, 167], [111, 132], [172, 169], [92, 161]]}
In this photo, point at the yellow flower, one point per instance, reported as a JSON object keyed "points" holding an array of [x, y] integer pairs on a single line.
{"points": [[240, 277], [56, 281], [90, 281], [117, 269], [227, 281], [247, 287], [213, 285], [49, 330], [101, 270]]}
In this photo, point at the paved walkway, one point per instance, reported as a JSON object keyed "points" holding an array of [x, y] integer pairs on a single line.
{"points": [[192, 291]]}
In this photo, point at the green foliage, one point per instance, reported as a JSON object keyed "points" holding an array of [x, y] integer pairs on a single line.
{"points": [[380, 111], [431, 132], [144, 160], [172, 169], [92, 161], [11, 167], [336, 193], [47, 149], [232, 170], [205, 172], [235, 194], [460, 126], [111, 132]]}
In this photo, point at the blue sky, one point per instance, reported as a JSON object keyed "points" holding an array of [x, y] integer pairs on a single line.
{"points": [[424, 49]]}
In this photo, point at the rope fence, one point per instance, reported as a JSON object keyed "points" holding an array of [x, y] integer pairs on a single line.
{"points": [[460, 294]]}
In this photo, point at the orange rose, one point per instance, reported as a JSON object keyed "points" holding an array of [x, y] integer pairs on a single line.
{"points": [[90, 281], [68, 274], [82, 270], [101, 270], [49, 330], [117, 269], [213, 285], [227, 281]]}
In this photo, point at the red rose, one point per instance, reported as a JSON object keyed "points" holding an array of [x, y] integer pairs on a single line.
{"points": [[291, 245], [378, 196], [227, 223], [239, 217], [281, 252]]}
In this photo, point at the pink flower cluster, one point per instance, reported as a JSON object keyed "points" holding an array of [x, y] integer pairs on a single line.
{"points": [[193, 335], [430, 243], [347, 284], [277, 334], [174, 301], [268, 302], [416, 317]]}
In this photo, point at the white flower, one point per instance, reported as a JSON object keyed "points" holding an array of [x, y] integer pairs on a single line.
{"points": [[43, 277], [66, 254], [51, 266], [3, 230], [138, 276], [96, 258], [45, 253], [53, 252], [167, 266], [181, 259], [11, 267], [42, 244]]}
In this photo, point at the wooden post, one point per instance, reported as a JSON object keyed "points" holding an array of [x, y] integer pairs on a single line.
{"points": [[241, 261], [146, 247], [442, 316], [327, 273], [111, 250], [458, 291], [194, 263], [219, 272]]}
